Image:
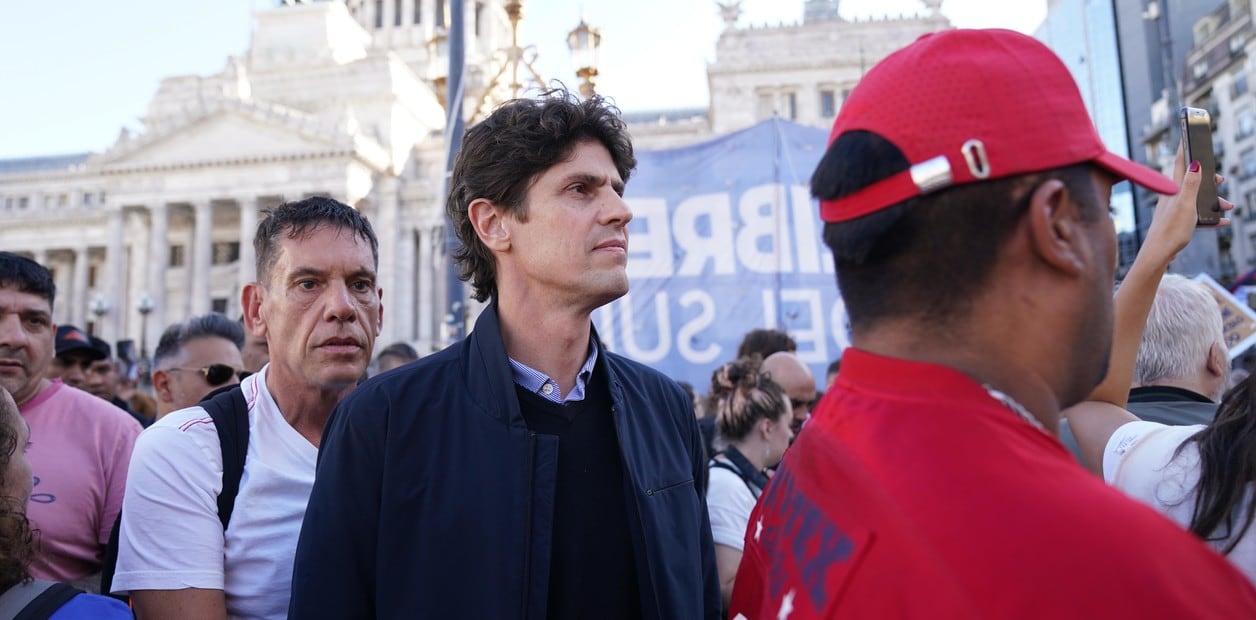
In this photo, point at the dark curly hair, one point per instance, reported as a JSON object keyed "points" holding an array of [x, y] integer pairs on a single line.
{"points": [[744, 395], [17, 541], [502, 156]]}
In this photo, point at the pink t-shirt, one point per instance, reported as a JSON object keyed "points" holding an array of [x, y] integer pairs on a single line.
{"points": [[80, 449]]}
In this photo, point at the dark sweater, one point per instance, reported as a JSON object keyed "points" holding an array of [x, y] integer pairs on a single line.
{"points": [[592, 571]]}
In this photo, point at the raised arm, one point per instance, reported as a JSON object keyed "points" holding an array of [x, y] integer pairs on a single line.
{"points": [[1172, 227]]}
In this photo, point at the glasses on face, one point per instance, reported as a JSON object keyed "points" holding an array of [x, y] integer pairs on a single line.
{"points": [[806, 405], [217, 374]]}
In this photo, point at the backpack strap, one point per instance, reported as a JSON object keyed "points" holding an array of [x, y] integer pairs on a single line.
{"points": [[16, 598], [230, 413], [722, 465], [36, 600], [109, 563]]}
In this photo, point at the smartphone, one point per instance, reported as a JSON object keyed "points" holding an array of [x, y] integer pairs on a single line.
{"points": [[1197, 138]]}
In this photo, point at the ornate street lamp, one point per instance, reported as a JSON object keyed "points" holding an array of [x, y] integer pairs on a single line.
{"points": [[145, 306], [510, 60], [585, 43], [99, 307]]}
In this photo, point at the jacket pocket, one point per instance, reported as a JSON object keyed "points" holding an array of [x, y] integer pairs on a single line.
{"points": [[668, 488]]}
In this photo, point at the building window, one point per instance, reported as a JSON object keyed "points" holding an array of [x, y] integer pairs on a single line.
{"points": [[176, 256], [1246, 122], [441, 18], [791, 106], [379, 13], [8, 203], [1247, 163], [418, 11], [397, 12], [91, 276], [63, 200], [87, 199], [219, 305], [226, 252], [828, 103], [479, 19], [1165, 151], [1237, 42], [23, 202], [1239, 87], [766, 105]]}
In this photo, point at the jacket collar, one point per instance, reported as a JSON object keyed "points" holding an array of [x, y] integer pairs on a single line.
{"points": [[1165, 393], [488, 372]]}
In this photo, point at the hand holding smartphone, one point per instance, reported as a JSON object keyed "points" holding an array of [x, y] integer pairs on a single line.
{"points": [[1197, 139]]}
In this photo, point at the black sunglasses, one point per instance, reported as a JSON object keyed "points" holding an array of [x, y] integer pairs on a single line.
{"points": [[217, 374]]}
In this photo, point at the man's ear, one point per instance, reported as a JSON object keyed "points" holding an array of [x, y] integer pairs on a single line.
{"points": [[251, 303], [1055, 228], [1218, 360], [161, 386], [489, 222]]}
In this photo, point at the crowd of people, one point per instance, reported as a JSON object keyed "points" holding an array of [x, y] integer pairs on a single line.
{"points": [[282, 468]]}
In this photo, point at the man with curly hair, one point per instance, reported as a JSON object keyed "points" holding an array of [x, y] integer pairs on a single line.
{"points": [[525, 472]]}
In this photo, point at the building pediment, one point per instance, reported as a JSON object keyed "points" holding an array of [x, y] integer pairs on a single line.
{"points": [[228, 132]]}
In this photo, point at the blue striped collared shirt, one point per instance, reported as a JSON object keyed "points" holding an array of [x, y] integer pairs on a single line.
{"points": [[538, 383]]}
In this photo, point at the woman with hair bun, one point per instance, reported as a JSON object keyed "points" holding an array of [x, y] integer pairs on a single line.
{"points": [[753, 416]]}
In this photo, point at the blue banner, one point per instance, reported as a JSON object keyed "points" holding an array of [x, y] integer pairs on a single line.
{"points": [[725, 238]]}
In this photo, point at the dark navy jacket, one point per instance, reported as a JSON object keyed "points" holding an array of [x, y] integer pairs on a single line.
{"points": [[434, 500]]}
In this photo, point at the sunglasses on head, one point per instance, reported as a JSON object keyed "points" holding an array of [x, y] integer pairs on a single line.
{"points": [[218, 374]]}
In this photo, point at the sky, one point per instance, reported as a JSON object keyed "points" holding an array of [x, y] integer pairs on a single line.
{"points": [[76, 72]]}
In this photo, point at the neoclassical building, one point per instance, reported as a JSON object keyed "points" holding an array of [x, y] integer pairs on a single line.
{"points": [[344, 98]]}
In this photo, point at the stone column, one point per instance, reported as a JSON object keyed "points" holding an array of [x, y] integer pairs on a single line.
{"points": [[137, 248], [77, 299], [158, 263], [402, 304], [430, 308], [202, 256], [248, 229], [387, 223], [115, 289]]}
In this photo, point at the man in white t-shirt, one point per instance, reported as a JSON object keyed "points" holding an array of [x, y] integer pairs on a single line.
{"points": [[317, 303]]}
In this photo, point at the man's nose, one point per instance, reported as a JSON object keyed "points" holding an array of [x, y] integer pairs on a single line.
{"points": [[340, 302], [11, 332]]}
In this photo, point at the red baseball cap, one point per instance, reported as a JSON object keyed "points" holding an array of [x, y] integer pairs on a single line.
{"points": [[973, 105]]}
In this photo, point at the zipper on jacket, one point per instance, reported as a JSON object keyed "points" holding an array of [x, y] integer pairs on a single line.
{"points": [[636, 501], [527, 526]]}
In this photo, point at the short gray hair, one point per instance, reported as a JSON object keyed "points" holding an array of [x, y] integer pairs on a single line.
{"points": [[1184, 323], [211, 325]]}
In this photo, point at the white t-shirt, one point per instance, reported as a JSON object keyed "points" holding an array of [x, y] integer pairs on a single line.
{"points": [[171, 537], [1139, 460], [729, 502]]}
